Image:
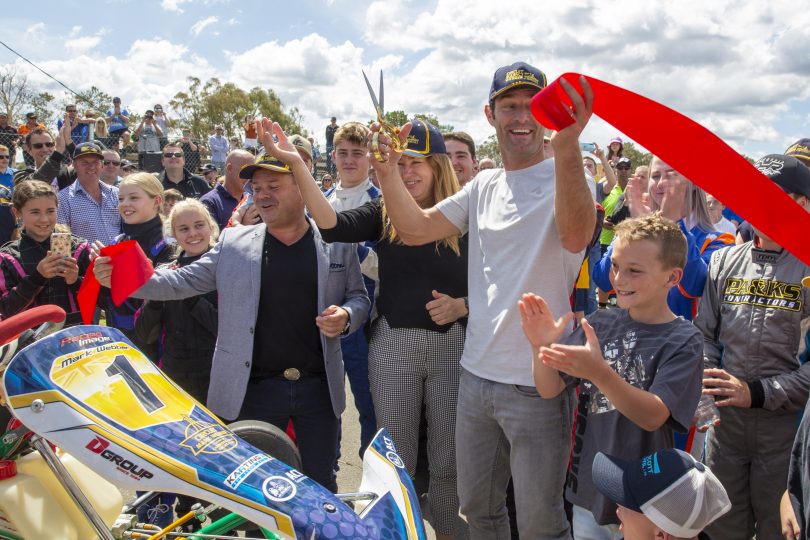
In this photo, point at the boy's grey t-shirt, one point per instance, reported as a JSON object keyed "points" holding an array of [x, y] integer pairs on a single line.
{"points": [[663, 359]]}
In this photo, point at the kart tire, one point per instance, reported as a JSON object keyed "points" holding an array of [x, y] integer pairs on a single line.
{"points": [[269, 439]]}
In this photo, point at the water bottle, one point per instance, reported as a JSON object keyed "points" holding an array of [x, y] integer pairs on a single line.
{"points": [[707, 413]]}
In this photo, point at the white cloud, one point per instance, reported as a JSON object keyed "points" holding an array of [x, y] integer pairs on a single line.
{"points": [[202, 24], [173, 5], [82, 44]]}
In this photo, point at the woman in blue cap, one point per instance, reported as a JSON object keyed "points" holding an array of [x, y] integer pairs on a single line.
{"points": [[417, 339]]}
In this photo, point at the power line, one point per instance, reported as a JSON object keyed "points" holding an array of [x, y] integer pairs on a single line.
{"points": [[40, 69]]}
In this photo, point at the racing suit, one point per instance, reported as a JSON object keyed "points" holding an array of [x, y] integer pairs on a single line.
{"points": [[750, 315]]}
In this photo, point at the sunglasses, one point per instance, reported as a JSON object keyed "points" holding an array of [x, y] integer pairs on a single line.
{"points": [[39, 145], [108, 162], [173, 154], [4, 157]]}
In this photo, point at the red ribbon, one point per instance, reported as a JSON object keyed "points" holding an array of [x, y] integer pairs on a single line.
{"points": [[692, 150], [130, 270]]}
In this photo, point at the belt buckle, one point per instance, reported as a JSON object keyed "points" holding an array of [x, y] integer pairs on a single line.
{"points": [[292, 374]]}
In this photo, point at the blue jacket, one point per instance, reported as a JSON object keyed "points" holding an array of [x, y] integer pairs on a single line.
{"points": [[684, 298]]}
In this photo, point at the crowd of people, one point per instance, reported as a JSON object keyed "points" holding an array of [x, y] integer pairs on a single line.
{"points": [[551, 325]]}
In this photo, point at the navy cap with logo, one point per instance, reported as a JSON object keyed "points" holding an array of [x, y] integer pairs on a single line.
{"points": [[677, 493], [266, 162], [800, 150], [424, 140], [515, 75], [88, 149], [786, 172], [209, 167]]}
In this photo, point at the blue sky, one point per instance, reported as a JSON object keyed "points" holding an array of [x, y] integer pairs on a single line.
{"points": [[740, 68]]}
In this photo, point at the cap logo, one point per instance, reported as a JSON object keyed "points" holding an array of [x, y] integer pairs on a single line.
{"points": [[770, 166], [795, 149], [521, 75], [649, 465], [412, 139]]}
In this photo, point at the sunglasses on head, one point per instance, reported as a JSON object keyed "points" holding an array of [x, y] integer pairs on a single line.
{"points": [[172, 154], [39, 145], [108, 162]]}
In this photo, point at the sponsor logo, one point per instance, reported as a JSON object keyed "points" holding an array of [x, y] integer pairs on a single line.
{"points": [[279, 488], [245, 469], [294, 475], [100, 446], [763, 292], [90, 338], [391, 455], [207, 438]]}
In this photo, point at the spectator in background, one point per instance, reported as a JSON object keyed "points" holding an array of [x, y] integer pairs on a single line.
{"points": [[6, 171], [304, 148], [176, 175], [100, 130], [117, 119], [191, 149], [30, 125], [162, 120], [249, 126], [170, 198], [330, 145], [127, 146], [9, 137], [210, 173], [461, 149], [111, 168], [721, 224], [127, 168], [316, 153], [89, 207], [326, 184], [148, 134], [234, 143], [80, 132], [485, 163], [222, 200], [218, 145], [615, 150]]}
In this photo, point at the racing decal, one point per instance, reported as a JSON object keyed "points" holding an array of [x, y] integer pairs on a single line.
{"points": [[279, 488], [391, 453], [100, 446], [117, 381], [245, 469], [763, 292], [85, 340], [207, 438]]}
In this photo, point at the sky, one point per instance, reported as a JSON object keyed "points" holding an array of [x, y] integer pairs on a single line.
{"points": [[741, 68]]}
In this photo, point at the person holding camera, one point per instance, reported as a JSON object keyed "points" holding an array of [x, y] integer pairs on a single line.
{"points": [[117, 119], [148, 134]]}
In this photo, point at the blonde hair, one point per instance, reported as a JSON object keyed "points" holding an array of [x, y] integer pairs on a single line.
{"points": [[445, 184], [148, 182], [697, 208], [103, 131], [191, 205], [351, 132], [655, 227]]}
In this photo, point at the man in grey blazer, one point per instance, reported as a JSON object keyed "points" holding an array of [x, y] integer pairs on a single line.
{"points": [[285, 298]]}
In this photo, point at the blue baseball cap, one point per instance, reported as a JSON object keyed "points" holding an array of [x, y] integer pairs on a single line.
{"points": [[515, 75], [424, 140], [677, 493]]}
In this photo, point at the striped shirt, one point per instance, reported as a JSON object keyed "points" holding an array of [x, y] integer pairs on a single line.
{"points": [[87, 218]]}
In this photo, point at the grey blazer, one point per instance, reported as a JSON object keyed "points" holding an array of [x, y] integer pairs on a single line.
{"points": [[233, 268]]}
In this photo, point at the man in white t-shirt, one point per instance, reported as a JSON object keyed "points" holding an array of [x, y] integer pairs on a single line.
{"points": [[721, 224], [529, 224]]}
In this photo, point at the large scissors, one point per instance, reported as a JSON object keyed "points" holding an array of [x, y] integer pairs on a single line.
{"points": [[385, 127]]}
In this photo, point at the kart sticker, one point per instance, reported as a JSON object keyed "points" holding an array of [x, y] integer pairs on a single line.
{"points": [[279, 488]]}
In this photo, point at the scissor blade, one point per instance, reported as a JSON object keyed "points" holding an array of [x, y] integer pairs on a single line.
{"points": [[373, 96], [382, 93]]}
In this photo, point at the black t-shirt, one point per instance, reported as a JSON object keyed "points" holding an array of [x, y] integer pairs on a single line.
{"points": [[330, 134], [286, 335], [408, 274]]}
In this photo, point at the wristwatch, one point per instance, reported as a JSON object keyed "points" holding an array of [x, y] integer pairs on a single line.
{"points": [[346, 328]]}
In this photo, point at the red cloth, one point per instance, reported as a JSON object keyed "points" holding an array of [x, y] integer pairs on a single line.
{"points": [[692, 150], [131, 269]]}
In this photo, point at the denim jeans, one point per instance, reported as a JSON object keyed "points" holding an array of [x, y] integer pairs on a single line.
{"points": [[586, 527], [355, 360], [307, 403], [506, 429]]}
